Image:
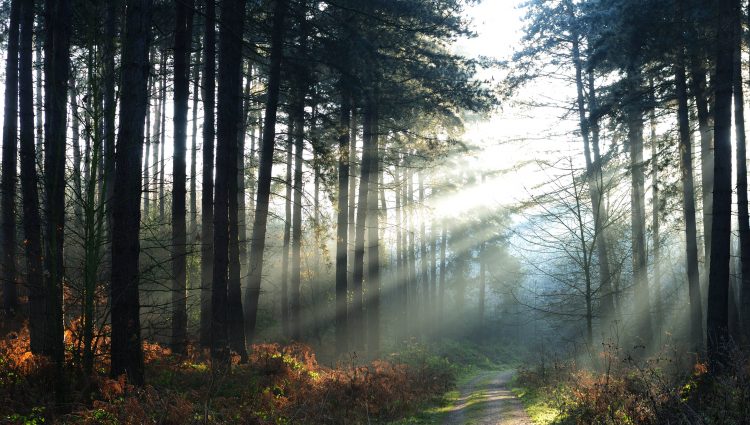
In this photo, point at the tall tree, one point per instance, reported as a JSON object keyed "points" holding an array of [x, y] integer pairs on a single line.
{"points": [[342, 240], [109, 107], [58, 19], [373, 248], [265, 166], [287, 232], [717, 319], [29, 183], [127, 353], [207, 188], [223, 309], [688, 202], [9, 177], [182, 36]]}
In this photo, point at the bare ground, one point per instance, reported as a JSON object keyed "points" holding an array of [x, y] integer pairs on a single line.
{"points": [[487, 399]]}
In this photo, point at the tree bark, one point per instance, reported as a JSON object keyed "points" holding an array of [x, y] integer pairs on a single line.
{"points": [[342, 237], [182, 37], [109, 107], [718, 282], [56, 68], [638, 215], [285, 325], [207, 187], [294, 298], [373, 249], [743, 217], [9, 178], [224, 310], [29, 183], [127, 354], [264, 170], [688, 206]]}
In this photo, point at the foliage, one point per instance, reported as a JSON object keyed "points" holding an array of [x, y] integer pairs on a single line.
{"points": [[279, 384], [624, 390]]}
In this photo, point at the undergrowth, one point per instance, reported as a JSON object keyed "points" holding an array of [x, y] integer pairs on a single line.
{"points": [[621, 389], [279, 385]]}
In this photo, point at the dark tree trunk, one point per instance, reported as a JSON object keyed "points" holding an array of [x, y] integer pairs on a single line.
{"points": [[424, 276], [109, 107], [373, 248], [443, 271], [688, 206], [207, 188], [353, 170], [357, 325], [39, 102], [224, 310], [400, 289], [698, 85], [265, 166], [718, 282], [75, 130], [285, 328], [638, 215], [183, 35], [56, 68], [9, 161], [295, 281], [127, 354], [29, 183], [742, 202], [342, 240], [193, 229], [593, 177]]}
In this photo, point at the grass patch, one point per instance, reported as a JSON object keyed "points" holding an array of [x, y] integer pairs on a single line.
{"points": [[538, 406]]}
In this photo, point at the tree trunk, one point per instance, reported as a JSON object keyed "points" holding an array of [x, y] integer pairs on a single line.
{"points": [[207, 187], [127, 355], [742, 202], [424, 277], [39, 103], [294, 296], [76, 136], [718, 281], [182, 37], [264, 170], [372, 281], [353, 170], [342, 237], [443, 246], [147, 140], [193, 229], [56, 69], [638, 215], [8, 181], [285, 328], [109, 107], [357, 324], [698, 84], [29, 184], [655, 223], [225, 310], [158, 128], [594, 176], [399, 295], [688, 206]]}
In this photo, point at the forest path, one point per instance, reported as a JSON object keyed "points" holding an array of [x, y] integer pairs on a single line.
{"points": [[487, 399]]}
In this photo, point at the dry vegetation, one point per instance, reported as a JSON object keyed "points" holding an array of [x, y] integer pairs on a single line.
{"points": [[623, 389], [279, 384]]}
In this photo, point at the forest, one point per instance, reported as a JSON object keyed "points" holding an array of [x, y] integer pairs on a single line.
{"points": [[449, 212]]}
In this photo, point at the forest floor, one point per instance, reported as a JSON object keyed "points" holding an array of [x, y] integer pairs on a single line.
{"points": [[487, 399]]}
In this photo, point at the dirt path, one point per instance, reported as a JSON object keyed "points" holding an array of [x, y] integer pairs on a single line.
{"points": [[487, 399]]}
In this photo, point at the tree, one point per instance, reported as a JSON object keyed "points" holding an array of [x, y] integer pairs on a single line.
{"points": [[207, 189], [265, 166], [127, 353], [29, 184], [56, 71], [8, 181], [717, 325], [223, 309], [342, 240]]}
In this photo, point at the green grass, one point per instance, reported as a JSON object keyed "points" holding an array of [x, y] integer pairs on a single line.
{"points": [[538, 407]]}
